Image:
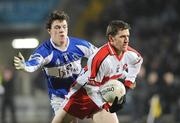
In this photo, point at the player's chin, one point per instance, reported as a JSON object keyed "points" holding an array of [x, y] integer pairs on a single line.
{"points": [[124, 48]]}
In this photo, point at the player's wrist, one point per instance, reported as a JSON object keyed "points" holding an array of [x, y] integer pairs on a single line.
{"points": [[22, 66], [129, 84]]}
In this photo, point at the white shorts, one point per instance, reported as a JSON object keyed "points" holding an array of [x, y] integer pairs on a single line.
{"points": [[83, 102], [56, 103]]}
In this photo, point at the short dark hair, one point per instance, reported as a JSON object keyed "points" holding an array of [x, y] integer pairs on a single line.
{"points": [[56, 15], [116, 25]]}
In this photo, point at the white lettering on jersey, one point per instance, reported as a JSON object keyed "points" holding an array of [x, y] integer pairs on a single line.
{"points": [[64, 71]]}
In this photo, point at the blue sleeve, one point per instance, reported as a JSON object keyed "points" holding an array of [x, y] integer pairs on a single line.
{"points": [[37, 59]]}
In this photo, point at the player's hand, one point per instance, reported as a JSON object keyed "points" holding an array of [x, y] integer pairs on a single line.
{"points": [[19, 62], [117, 104]]}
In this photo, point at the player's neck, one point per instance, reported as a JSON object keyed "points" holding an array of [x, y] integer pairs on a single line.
{"points": [[61, 45], [119, 53]]}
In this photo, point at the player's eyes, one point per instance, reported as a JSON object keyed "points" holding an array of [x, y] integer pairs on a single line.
{"points": [[59, 27], [124, 36], [64, 27]]}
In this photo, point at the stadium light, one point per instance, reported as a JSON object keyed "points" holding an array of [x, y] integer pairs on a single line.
{"points": [[26, 43]]}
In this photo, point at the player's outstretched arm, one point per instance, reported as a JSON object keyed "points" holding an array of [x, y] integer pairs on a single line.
{"points": [[19, 62]]}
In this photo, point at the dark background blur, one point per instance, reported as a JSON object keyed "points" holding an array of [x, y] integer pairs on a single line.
{"points": [[155, 34]]}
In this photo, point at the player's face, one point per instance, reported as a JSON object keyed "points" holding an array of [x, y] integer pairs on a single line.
{"points": [[58, 32], [120, 41]]}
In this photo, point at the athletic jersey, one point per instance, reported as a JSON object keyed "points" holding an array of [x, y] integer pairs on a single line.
{"points": [[61, 67], [104, 65]]}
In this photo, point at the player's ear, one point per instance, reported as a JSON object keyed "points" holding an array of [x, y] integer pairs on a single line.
{"points": [[48, 30], [110, 38]]}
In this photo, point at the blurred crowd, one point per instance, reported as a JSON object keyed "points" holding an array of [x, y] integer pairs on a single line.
{"points": [[7, 77]]}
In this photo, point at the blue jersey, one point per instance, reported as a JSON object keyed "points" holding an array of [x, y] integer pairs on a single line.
{"points": [[61, 67]]}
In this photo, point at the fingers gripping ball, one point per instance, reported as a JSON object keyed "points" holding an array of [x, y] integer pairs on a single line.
{"points": [[112, 89]]}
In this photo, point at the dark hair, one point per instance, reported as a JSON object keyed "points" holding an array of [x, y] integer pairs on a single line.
{"points": [[56, 15], [116, 25]]}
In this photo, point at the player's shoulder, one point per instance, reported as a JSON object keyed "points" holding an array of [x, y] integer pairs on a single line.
{"points": [[44, 48], [133, 55], [132, 51], [101, 53], [46, 45], [78, 41]]}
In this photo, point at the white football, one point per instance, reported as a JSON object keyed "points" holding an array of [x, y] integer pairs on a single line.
{"points": [[111, 89]]}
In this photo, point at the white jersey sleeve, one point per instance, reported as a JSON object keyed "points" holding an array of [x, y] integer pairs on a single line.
{"points": [[134, 61]]}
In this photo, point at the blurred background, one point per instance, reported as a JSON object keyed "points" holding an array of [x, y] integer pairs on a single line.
{"points": [[155, 34]]}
